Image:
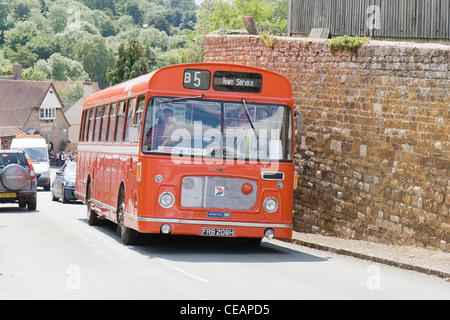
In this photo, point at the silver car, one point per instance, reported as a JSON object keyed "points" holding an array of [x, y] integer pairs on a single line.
{"points": [[17, 179]]}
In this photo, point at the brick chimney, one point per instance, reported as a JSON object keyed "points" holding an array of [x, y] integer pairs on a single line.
{"points": [[17, 71], [87, 88]]}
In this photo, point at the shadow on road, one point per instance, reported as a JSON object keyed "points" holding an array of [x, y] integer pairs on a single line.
{"points": [[206, 249]]}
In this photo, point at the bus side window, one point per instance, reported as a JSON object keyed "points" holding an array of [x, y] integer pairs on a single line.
{"points": [[139, 113], [105, 115], [112, 121], [138, 117], [83, 126], [98, 116], [120, 121], [91, 123], [129, 129]]}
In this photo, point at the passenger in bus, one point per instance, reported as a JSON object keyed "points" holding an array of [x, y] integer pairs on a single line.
{"points": [[161, 134]]}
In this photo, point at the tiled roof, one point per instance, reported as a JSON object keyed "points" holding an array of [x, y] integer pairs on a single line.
{"points": [[11, 131], [17, 98]]}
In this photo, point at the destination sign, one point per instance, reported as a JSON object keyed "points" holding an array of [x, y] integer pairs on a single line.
{"points": [[237, 81], [197, 79]]}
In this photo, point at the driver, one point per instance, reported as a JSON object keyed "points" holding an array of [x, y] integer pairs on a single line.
{"points": [[162, 132]]}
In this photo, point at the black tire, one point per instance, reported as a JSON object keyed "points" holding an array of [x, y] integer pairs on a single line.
{"points": [[32, 204], [129, 236], [92, 218], [64, 198]]}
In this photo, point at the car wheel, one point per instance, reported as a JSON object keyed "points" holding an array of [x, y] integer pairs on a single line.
{"points": [[32, 204], [64, 198]]}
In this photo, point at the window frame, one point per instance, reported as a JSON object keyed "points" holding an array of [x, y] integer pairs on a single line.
{"points": [[49, 113]]}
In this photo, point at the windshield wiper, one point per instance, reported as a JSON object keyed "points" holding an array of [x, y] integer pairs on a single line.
{"points": [[249, 118], [182, 99]]}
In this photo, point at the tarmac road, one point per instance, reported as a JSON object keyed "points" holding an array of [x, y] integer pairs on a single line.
{"points": [[54, 254]]}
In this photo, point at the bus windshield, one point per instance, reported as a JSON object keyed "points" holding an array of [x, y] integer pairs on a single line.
{"points": [[218, 129]]}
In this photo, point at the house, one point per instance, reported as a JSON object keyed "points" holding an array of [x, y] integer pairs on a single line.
{"points": [[35, 107], [7, 134]]}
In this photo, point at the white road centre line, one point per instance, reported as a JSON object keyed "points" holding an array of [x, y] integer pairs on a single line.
{"points": [[186, 273]]}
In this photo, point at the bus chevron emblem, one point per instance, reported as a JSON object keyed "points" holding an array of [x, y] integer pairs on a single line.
{"points": [[219, 191]]}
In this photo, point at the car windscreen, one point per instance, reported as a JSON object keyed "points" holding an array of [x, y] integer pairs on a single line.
{"points": [[37, 154], [71, 169]]}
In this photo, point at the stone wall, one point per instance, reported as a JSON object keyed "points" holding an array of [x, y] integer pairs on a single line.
{"points": [[374, 153]]}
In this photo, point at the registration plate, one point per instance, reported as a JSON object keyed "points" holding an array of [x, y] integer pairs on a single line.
{"points": [[217, 232], [8, 195]]}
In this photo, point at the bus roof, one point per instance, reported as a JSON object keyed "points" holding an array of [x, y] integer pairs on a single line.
{"points": [[170, 81]]}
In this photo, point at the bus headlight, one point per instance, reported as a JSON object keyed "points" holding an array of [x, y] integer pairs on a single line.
{"points": [[270, 205], [269, 234], [166, 200], [166, 229]]}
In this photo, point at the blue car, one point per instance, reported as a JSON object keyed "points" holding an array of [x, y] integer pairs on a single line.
{"points": [[63, 186]]}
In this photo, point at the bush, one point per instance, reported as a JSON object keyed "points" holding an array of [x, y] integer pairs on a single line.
{"points": [[347, 43]]}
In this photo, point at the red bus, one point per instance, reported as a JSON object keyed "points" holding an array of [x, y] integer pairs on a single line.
{"points": [[196, 149]]}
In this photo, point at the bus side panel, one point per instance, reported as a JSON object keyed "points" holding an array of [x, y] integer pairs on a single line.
{"points": [[87, 169], [100, 177], [131, 186], [81, 175], [107, 198], [114, 183], [92, 168]]}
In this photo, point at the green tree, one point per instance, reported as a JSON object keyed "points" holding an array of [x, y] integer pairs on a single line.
{"points": [[57, 17], [5, 9], [33, 74], [135, 11], [44, 45], [133, 59], [71, 93], [20, 35], [95, 57], [22, 8], [162, 24], [21, 55], [60, 68]]}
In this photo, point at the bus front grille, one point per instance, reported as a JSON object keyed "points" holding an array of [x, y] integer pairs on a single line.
{"points": [[217, 193]]}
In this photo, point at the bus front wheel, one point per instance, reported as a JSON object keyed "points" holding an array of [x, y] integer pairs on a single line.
{"points": [[128, 235], [92, 218]]}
